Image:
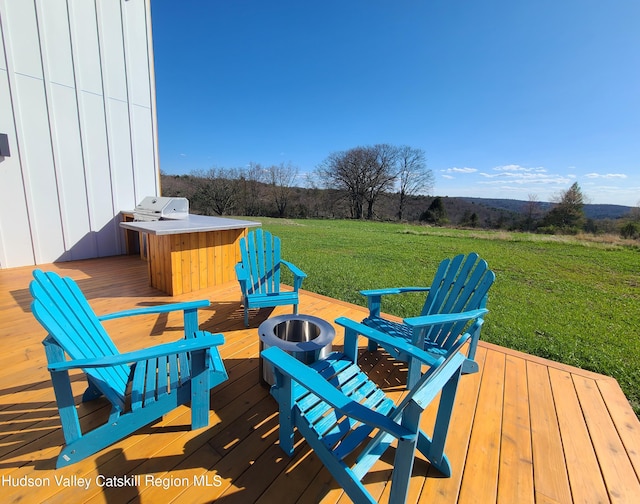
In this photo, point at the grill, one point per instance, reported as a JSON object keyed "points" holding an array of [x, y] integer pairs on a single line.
{"points": [[153, 208]]}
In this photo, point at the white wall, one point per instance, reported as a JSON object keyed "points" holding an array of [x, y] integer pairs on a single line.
{"points": [[77, 100]]}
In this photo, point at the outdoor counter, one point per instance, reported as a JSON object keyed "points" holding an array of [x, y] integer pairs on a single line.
{"points": [[186, 255]]}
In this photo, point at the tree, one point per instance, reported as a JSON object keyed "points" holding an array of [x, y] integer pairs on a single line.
{"points": [[250, 180], [217, 191], [436, 213], [340, 170], [281, 179], [363, 173], [568, 213], [413, 176], [531, 212], [630, 230], [381, 173]]}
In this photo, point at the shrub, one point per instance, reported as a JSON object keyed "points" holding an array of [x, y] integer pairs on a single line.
{"points": [[631, 230]]}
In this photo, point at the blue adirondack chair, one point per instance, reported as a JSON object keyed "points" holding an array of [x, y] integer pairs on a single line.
{"points": [[142, 385], [259, 273], [336, 407], [459, 289]]}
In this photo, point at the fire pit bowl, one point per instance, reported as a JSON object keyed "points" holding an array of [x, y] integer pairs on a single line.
{"points": [[306, 338]]}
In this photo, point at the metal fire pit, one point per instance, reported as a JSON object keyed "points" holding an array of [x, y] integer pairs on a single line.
{"points": [[304, 337]]}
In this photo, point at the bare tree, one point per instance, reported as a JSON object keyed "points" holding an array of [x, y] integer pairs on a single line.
{"points": [[282, 178], [413, 176], [250, 180], [381, 173], [531, 212], [217, 191], [344, 171], [363, 173]]}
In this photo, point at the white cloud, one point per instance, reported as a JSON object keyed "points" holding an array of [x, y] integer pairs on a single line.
{"points": [[459, 170], [606, 175], [518, 168], [522, 175]]}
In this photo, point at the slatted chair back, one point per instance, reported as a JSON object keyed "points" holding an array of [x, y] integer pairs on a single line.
{"points": [[61, 307], [260, 252], [459, 285]]}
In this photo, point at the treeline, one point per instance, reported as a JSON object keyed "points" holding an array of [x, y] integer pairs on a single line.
{"points": [[241, 195], [380, 182], [358, 183]]}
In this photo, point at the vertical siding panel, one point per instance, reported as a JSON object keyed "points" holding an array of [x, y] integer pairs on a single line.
{"points": [[176, 264], [32, 127], [194, 261], [21, 37], [202, 260], [138, 64], [146, 180], [211, 275], [218, 257], [15, 235], [185, 255], [65, 129], [86, 51], [111, 36], [3, 59]]}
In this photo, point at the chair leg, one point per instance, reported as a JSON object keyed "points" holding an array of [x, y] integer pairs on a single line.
{"points": [[286, 413], [402, 467], [405, 454], [414, 373], [246, 316], [200, 389]]}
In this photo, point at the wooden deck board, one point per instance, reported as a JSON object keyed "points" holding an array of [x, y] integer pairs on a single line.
{"points": [[516, 464], [524, 429], [480, 480]]}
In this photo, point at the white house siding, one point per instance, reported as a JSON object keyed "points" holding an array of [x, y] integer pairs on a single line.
{"points": [[77, 102]]}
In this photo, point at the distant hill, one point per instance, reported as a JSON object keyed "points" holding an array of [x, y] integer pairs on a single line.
{"points": [[591, 211]]}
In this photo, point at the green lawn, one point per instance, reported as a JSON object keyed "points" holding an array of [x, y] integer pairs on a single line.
{"points": [[572, 301]]}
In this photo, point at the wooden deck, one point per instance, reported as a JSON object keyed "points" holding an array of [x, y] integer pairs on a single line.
{"points": [[524, 429]]}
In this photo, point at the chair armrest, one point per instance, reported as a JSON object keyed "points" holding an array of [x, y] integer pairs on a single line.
{"points": [[374, 297], [429, 320], [388, 341], [241, 272], [242, 275], [189, 305], [393, 290], [312, 381], [203, 341], [294, 269]]}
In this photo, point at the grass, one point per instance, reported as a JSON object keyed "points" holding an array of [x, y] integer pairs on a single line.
{"points": [[567, 299]]}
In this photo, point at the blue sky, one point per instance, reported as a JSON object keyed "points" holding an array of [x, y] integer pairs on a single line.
{"points": [[506, 97]]}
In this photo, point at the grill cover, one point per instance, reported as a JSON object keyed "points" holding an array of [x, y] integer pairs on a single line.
{"points": [[153, 208]]}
